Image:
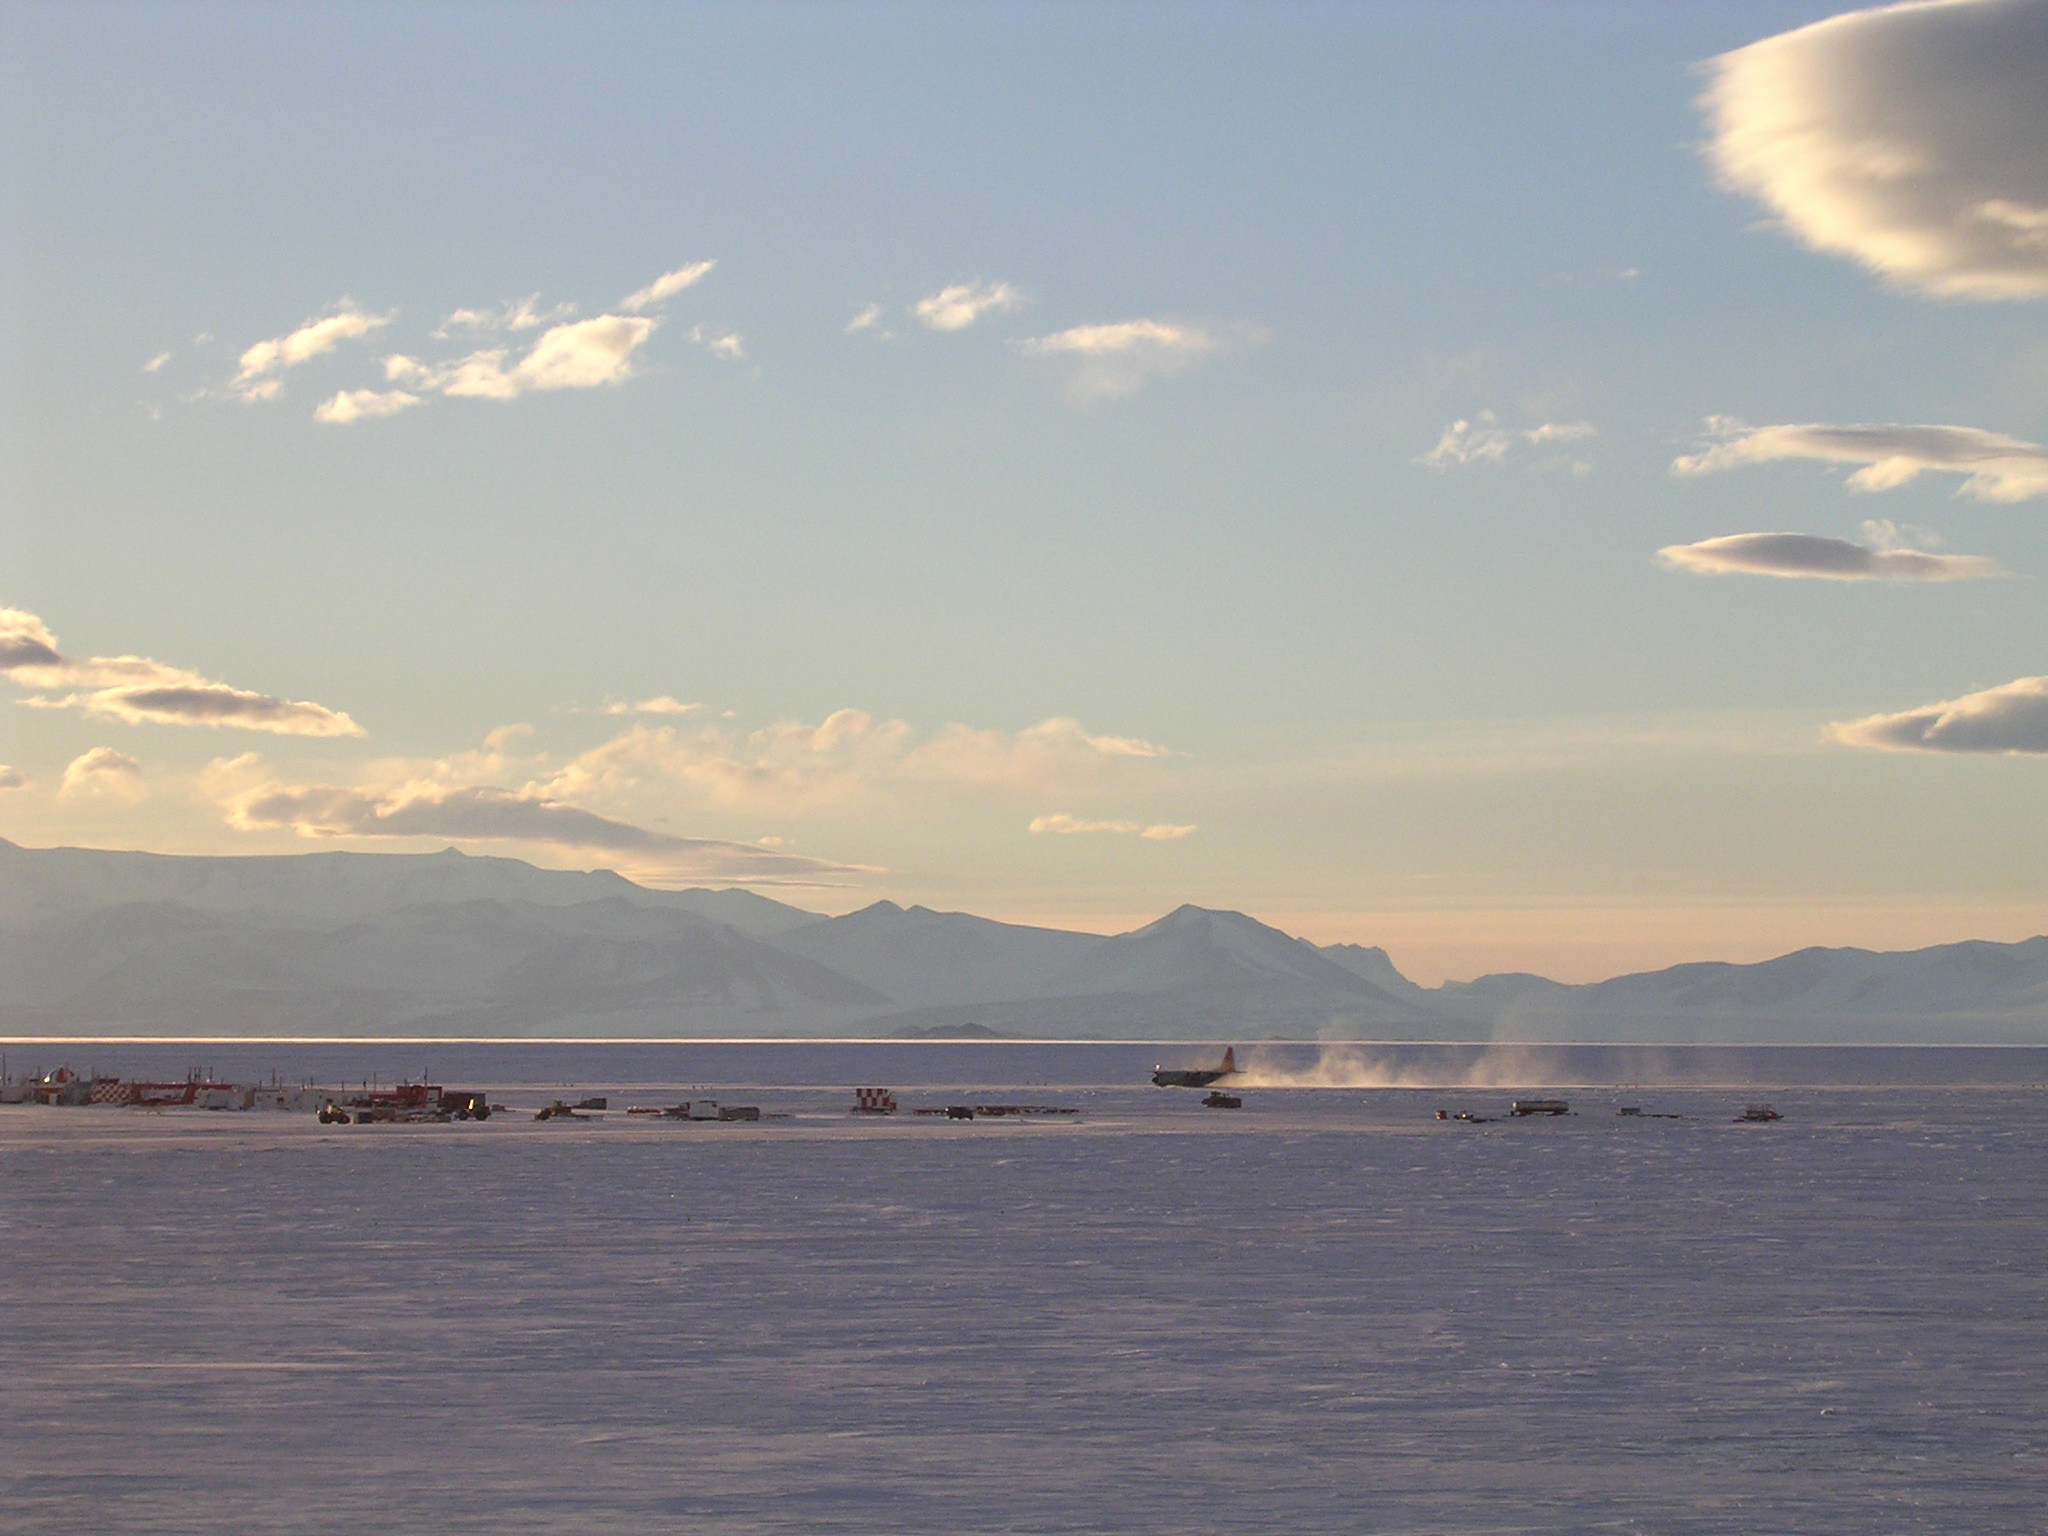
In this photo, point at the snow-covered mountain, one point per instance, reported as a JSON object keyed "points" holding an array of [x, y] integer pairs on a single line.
{"points": [[95, 942], [922, 958], [1976, 991]]}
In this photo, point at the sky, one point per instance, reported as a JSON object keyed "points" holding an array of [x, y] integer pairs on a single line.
{"points": [[1533, 486]]}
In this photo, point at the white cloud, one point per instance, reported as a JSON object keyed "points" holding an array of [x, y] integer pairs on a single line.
{"points": [[728, 346], [1995, 467], [354, 404], [157, 362], [869, 319], [517, 315], [1906, 137], [666, 286], [1160, 832], [1484, 440], [1117, 359], [12, 778], [957, 307], [583, 354], [306, 343], [137, 690], [488, 813], [498, 740], [2011, 719], [660, 704], [851, 756], [103, 771], [26, 642], [1804, 555]]}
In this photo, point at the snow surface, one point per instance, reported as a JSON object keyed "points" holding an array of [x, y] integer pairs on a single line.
{"points": [[1325, 1312]]}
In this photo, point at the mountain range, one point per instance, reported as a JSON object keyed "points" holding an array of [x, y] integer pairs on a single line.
{"points": [[104, 942]]}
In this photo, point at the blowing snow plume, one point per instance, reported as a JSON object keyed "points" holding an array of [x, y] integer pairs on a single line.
{"points": [[1500, 1065], [1356, 1066]]}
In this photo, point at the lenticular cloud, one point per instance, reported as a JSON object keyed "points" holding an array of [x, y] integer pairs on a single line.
{"points": [[139, 690], [1806, 555], [474, 812], [1908, 138], [1995, 467], [2010, 718]]}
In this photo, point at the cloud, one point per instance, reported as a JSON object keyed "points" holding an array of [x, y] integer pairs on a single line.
{"points": [[666, 286], [1485, 441], [957, 307], [869, 319], [137, 690], [851, 756], [1997, 468], [661, 704], [103, 771], [12, 778], [505, 735], [1907, 138], [354, 404], [2012, 718], [26, 642], [1062, 823], [516, 315], [727, 346], [307, 342], [1804, 555], [486, 813], [156, 363], [1116, 360], [583, 354]]}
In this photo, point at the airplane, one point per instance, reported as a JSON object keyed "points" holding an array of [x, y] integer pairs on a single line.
{"points": [[1175, 1077]]}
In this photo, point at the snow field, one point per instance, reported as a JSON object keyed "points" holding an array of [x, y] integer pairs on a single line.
{"points": [[1328, 1312]]}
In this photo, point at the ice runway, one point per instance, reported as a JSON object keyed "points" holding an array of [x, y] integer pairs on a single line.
{"points": [[1328, 1312]]}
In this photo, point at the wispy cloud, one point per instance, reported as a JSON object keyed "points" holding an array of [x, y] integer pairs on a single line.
{"points": [[259, 363], [666, 286], [2012, 718], [583, 354], [156, 363], [851, 757], [1117, 359], [354, 404], [957, 307], [869, 320], [1995, 467], [1805, 555], [12, 778], [1483, 440], [728, 346], [1905, 137], [102, 771], [1069, 826], [517, 315], [661, 704], [137, 690], [487, 813]]}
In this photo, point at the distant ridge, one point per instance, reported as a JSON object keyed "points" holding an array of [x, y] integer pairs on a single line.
{"points": [[98, 942]]}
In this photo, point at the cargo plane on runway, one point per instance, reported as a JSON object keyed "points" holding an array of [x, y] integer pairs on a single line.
{"points": [[1199, 1077]]}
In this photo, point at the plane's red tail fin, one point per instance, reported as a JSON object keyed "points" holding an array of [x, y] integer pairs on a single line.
{"points": [[1230, 1058]]}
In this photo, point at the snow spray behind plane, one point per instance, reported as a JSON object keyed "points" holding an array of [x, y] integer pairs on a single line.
{"points": [[1512, 1064], [1408, 1066]]}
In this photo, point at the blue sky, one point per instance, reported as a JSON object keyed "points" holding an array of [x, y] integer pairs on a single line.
{"points": [[1186, 479]]}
